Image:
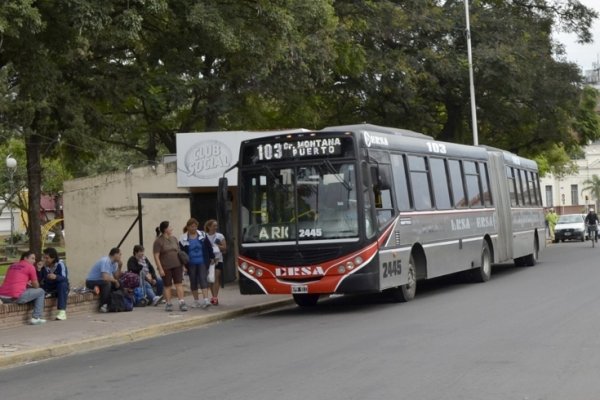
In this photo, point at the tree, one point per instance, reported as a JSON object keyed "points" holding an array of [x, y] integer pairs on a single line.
{"points": [[593, 187], [196, 65], [44, 59]]}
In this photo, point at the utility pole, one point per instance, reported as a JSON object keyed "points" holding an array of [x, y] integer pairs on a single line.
{"points": [[471, 79]]}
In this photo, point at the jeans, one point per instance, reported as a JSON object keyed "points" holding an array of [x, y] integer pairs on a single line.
{"points": [[198, 276], [35, 295], [148, 291], [60, 289]]}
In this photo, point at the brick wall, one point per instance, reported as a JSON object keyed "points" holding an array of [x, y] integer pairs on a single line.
{"points": [[12, 315]]}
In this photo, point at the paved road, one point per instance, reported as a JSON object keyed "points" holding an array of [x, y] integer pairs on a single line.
{"points": [[528, 333]]}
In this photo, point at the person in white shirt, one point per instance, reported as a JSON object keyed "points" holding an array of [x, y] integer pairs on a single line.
{"points": [[219, 245]]}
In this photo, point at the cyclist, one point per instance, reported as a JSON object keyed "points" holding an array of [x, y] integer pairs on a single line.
{"points": [[591, 221]]}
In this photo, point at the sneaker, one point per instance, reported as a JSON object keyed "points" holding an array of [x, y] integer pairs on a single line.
{"points": [[104, 308], [169, 307], [156, 300], [205, 303], [62, 315], [37, 321], [48, 295], [196, 304], [183, 306], [214, 301]]}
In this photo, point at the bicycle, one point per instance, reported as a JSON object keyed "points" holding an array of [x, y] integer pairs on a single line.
{"points": [[593, 229]]}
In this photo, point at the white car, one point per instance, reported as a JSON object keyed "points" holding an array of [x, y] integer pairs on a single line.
{"points": [[570, 227]]}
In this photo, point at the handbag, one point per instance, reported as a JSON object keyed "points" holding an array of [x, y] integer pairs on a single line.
{"points": [[183, 257], [211, 273]]}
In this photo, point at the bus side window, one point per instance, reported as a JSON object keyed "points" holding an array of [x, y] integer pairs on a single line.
{"points": [[458, 190], [536, 184], [439, 179], [527, 192], [520, 196], [485, 185], [419, 179], [400, 182], [512, 187], [472, 180]]}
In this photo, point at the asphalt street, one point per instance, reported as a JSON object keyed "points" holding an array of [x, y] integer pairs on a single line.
{"points": [[528, 333]]}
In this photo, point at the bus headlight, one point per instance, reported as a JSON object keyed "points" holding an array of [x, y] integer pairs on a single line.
{"points": [[259, 272], [244, 265], [358, 260], [349, 265], [341, 269], [251, 270]]}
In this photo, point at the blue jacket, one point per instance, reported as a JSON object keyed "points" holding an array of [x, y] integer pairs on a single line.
{"points": [[62, 274], [207, 250]]}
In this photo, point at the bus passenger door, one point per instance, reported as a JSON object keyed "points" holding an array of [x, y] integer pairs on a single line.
{"points": [[503, 249]]}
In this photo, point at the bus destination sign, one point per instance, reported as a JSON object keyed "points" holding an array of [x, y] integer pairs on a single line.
{"points": [[299, 149]]}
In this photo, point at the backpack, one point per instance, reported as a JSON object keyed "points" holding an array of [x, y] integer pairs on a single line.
{"points": [[130, 280], [120, 301], [139, 297]]}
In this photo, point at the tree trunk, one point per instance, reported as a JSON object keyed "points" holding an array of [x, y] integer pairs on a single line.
{"points": [[34, 183], [450, 130]]}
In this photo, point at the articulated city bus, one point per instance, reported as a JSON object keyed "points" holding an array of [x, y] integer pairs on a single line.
{"points": [[364, 208]]}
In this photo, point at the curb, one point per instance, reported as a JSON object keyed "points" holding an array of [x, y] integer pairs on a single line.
{"points": [[85, 345]]}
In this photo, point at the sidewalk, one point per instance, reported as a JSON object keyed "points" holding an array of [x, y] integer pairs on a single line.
{"points": [[93, 331]]}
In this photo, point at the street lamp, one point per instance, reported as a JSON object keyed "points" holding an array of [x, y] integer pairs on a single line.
{"points": [[11, 166]]}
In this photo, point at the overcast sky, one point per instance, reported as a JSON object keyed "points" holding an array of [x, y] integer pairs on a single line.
{"points": [[588, 54]]}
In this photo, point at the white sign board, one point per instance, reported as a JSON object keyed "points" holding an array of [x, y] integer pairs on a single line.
{"points": [[203, 157]]}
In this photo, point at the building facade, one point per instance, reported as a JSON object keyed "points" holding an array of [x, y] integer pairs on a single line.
{"points": [[566, 194]]}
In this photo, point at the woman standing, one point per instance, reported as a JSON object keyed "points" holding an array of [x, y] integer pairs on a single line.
{"points": [[166, 257], [199, 249], [219, 246]]}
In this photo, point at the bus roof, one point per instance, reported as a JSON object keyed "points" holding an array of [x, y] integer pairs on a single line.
{"points": [[376, 128], [512, 159]]}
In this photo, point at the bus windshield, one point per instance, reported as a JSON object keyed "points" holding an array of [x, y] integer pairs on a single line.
{"points": [[299, 203]]}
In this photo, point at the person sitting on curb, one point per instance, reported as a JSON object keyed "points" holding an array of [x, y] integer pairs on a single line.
{"points": [[105, 275], [53, 278], [138, 263], [21, 286]]}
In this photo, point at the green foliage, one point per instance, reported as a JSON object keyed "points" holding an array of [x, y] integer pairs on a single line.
{"points": [[593, 187], [556, 161], [92, 86]]}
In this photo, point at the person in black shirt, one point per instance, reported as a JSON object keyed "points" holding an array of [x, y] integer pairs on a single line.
{"points": [[591, 219]]}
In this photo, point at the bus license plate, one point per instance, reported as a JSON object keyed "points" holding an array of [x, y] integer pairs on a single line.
{"points": [[299, 289]]}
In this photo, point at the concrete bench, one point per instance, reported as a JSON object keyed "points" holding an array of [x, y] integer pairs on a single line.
{"points": [[12, 314]]}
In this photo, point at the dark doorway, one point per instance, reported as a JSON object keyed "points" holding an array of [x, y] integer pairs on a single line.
{"points": [[203, 207]]}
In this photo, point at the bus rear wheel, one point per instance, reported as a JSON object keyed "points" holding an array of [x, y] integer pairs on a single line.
{"points": [[531, 259], [484, 272], [306, 300], [407, 291]]}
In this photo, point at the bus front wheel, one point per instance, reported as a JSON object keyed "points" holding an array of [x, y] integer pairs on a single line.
{"points": [[306, 300], [407, 291]]}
